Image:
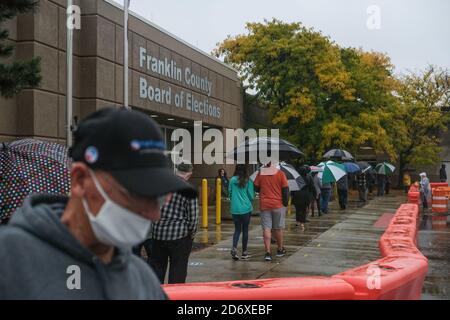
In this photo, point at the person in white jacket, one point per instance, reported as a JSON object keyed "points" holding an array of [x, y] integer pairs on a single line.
{"points": [[425, 190]]}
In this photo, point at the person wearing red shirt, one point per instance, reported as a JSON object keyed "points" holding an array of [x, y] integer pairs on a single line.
{"points": [[273, 188]]}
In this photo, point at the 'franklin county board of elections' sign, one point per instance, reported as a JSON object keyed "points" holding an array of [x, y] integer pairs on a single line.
{"points": [[182, 99]]}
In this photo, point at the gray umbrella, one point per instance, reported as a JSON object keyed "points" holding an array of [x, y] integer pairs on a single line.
{"points": [[338, 153]]}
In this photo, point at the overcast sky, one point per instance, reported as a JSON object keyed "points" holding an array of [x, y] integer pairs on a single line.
{"points": [[413, 33]]}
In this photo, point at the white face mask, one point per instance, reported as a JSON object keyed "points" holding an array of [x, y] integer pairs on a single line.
{"points": [[115, 225]]}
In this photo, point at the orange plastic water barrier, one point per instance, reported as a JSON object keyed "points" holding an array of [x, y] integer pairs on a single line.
{"points": [[305, 288], [390, 278], [414, 197], [399, 275]]}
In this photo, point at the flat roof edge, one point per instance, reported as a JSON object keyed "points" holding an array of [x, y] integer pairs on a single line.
{"points": [[168, 33]]}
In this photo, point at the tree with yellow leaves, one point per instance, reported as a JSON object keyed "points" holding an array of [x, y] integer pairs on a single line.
{"points": [[319, 94], [417, 125]]}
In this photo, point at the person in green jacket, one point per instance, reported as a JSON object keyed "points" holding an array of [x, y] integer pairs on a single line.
{"points": [[241, 192]]}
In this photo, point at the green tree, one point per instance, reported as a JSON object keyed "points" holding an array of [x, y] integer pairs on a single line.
{"points": [[20, 74], [419, 122], [320, 95]]}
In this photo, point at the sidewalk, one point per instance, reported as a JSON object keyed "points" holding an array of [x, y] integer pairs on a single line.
{"points": [[329, 244]]}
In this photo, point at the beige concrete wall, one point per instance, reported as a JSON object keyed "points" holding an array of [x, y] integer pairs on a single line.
{"points": [[98, 70]]}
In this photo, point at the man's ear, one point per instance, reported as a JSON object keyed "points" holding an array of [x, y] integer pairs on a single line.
{"points": [[79, 173]]}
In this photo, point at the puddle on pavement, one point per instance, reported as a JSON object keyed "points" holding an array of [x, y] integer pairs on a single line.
{"points": [[434, 243]]}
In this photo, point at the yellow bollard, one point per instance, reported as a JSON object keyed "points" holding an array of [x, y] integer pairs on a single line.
{"points": [[218, 201], [289, 206], [204, 203]]}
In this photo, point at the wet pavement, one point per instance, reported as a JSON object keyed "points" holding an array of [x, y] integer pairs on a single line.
{"points": [[434, 242], [330, 244]]}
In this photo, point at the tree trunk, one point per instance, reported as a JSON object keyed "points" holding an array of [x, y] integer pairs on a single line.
{"points": [[402, 165]]}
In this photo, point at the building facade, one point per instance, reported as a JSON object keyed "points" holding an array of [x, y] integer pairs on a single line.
{"points": [[170, 80]]}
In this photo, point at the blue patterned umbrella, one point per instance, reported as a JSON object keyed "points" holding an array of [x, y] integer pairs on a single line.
{"points": [[351, 167], [30, 166]]}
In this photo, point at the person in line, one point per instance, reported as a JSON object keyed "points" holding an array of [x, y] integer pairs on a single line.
{"points": [[425, 190], [370, 178], [311, 191], [273, 189], [79, 246], [325, 195], [342, 190], [222, 174], [406, 181], [317, 186], [388, 184], [362, 186], [241, 193], [381, 182], [174, 233], [443, 174], [301, 198]]}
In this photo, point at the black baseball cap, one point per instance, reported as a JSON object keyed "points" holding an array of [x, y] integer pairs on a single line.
{"points": [[129, 145]]}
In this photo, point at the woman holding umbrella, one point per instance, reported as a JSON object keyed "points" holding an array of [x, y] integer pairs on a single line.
{"points": [[383, 170], [331, 172], [301, 198]]}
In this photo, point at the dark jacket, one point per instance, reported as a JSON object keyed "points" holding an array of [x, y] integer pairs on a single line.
{"points": [[306, 194], [442, 174], [342, 183], [37, 253]]}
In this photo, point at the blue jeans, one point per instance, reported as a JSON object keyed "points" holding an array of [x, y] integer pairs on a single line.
{"points": [[324, 198], [241, 223], [381, 186]]}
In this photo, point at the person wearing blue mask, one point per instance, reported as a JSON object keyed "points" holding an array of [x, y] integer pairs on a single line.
{"points": [[79, 246]]}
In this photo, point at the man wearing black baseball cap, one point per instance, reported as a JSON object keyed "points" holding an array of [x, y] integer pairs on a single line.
{"points": [[79, 247]]}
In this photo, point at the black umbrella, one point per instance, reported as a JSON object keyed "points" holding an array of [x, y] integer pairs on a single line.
{"points": [[264, 144], [338, 154], [364, 166], [30, 166]]}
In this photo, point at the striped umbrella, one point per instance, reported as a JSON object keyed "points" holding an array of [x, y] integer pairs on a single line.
{"points": [[332, 171], [339, 154], [384, 168], [294, 179]]}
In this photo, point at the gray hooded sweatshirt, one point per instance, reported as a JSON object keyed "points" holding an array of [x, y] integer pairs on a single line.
{"points": [[41, 259]]}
